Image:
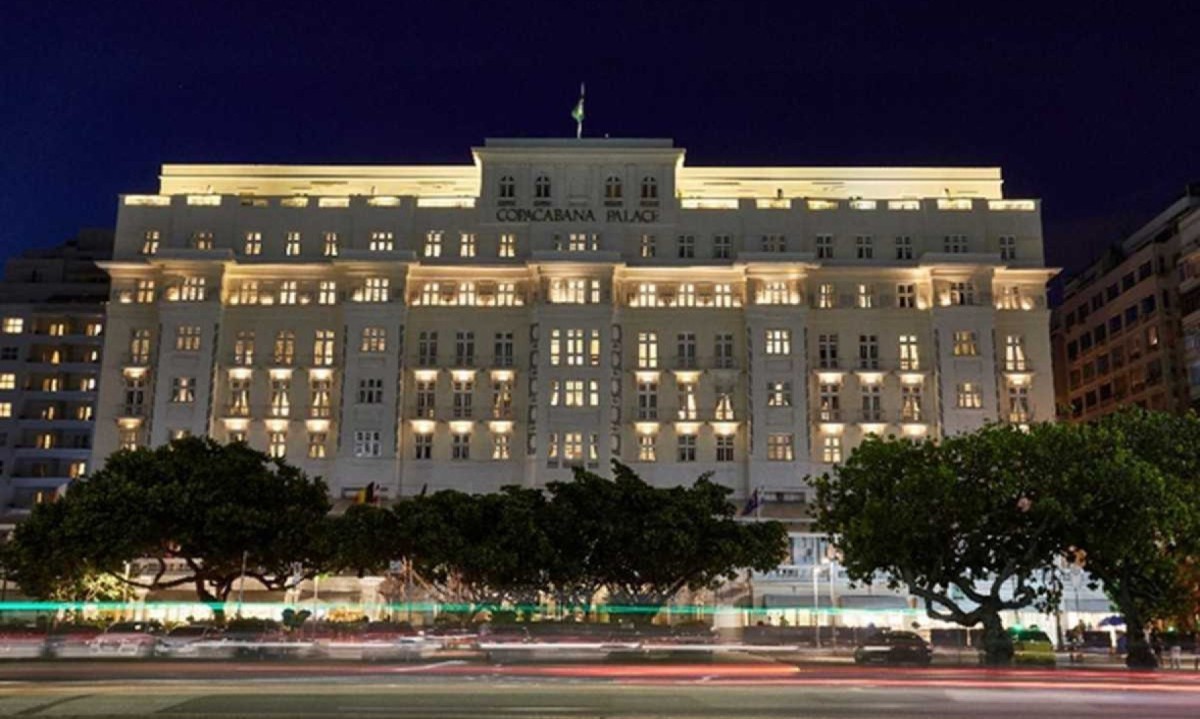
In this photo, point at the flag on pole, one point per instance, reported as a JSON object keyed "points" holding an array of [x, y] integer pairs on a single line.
{"points": [[366, 495], [753, 503], [577, 113]]}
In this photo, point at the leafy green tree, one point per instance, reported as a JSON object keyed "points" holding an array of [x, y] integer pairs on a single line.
{"points": [[1132, 481], [962, 525], [364, 540], [210, 506]]}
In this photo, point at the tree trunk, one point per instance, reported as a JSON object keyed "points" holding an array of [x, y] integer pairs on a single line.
{"points": [[1139, 653], [997, 645]]}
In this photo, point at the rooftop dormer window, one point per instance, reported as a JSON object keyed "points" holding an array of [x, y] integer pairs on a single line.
{"points": [[541, 190]]}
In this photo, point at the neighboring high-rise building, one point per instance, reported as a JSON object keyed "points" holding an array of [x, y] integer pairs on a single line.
{"points": [[1189, 300], [51, 337], [563, 303], [1118, 334]]}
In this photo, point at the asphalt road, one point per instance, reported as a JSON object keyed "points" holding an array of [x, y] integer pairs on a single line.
{"points": [[455, 690]]}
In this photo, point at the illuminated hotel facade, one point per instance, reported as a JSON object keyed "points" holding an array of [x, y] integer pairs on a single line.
{"points": [[569, 302]]}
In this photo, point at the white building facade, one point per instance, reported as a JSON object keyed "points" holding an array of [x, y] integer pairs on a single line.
{"points": [[569, 302]]}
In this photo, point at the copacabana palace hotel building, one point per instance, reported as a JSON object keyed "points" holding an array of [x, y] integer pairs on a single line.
{"points": [[558, 303]]}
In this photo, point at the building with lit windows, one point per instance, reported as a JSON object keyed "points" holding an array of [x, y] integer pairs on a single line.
{"points": [[51, 336], [560, 303], [1127, 330]]}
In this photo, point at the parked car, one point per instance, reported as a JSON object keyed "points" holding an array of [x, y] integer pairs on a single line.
{"points": [[70, 641], [127, 639], [182, 641], [890, 647], [393, 641], [1032, 646]]}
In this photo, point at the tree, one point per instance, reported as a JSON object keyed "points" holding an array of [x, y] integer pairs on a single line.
{"points": [[962, 524], [660, 541], [211, 506], [1134, 513], [364, 540]]}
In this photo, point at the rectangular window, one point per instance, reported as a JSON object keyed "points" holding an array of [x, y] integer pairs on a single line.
{"points": [[501, 446], [826, 297], [722, 247], [904, 247], [906, 295], [774, 243], [864, 247], [686, 447], [831, 449], [14, 325], [327, 292], [725, 448], [433, 243], [381, 242], [955, 244], [647, 349], [423, 446], [370, 391], [872, 403], [686, 295], [460, 446], [323, 348], [139, 346], [779, 448], [374, 289], [722, 295], [1014, 354], [502, 399], [368, 443], [463, 395], [193, 289], [575, 291], [1008, 247], [8, 380], [253, 246], [427, 348], [829, 402], [687, 401], [779, 394], [909, 359], [277, 444], [466, 244], [648, 246], [723, 350], [150, 242], [508, 245], [321, 398], [962, 293], [868, 351], [329, 246], [647, 447], [426, 399], [144, 294], [966, 343], [292, 245], [502, 349], [187, 338], [686, 246], [183, 390], [239, 397], [827, 351], [824, 247], [316, 445], [285, 348], [281, 402], [647, 400], [685, 350], [247, 293], [1018, 404], [865, 297], [970, 396], [464, 349], [910, 403], [288, 292], [779, 342]]}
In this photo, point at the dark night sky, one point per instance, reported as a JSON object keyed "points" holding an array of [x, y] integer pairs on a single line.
{"points": [[1093, 107]]}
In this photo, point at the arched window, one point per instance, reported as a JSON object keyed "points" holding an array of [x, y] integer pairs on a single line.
{"points": [[508, 187], [649, 188], [541, 188], [612, 188]]}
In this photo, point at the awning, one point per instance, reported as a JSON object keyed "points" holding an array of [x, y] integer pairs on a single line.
{"points": [[873, 601], [794, 601]]}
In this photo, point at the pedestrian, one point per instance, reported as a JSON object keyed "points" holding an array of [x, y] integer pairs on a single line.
{"points": [[1176, 653]]}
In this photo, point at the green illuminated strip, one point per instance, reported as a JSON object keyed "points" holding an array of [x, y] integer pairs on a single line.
{"points": [[438, 607]]}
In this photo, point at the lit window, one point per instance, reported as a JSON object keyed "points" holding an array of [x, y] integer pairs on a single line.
{"points": [[647, 295], [779, 394], [779, 448], [323, 348], [368, 443], [145, 292], [467, 295], [374, 339], [508, 245], [779, 342], [284, 353], [253, 243], [831, 449], [127, 439], [277, 444], [686, 296], [1014, 353], [433, 243], [150, 241], [281, 401], [909, 360], [187, 338], [288, 291], [722, 295], [962, 293], [5, 410], [329, 246], [910, 403], [14, 325], [501, 448], [183, 390], [506, 295], [866, 296], [292, 246], [202, 240], [247, 293], [374, 289], [970, 396], [649, 246], [381, 242], [466, 245], [1018, 404], [966, 343], [829, 402], [906, 295], [239, 398], [647, 447], [321, 391], [327, 292], [647, 349], [826, 297], [316, 445]]}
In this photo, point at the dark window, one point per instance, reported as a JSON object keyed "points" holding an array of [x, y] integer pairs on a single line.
{"points": [[1085, 342], [1148, 305], [1072, 349], [1100, 334], [1112, 292], [1127, 281], [1090, 399], [1145, 270], [1114, 324], [1097, 301], [1131, 315]]}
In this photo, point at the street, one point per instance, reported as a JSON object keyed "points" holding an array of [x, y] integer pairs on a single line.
{"points": [[460, 689]]}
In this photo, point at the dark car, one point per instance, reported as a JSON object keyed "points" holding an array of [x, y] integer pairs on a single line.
{"points": [[894, 648]]}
